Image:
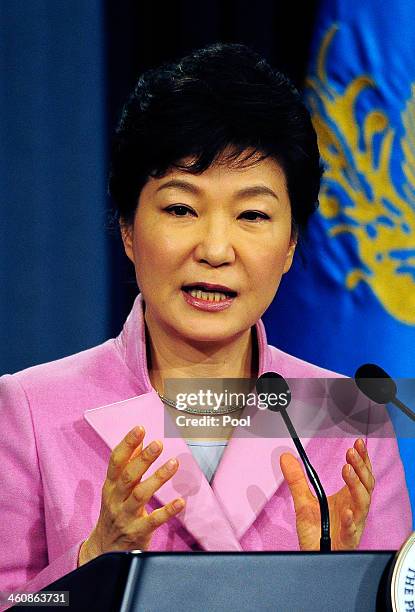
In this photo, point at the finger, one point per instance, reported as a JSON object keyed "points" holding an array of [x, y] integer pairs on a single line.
{"points": [[135, 469], [137, 451], [365, 475], [296, 480], [361, 448], [146, 525], [123, 451], [358, 492], [348, 529], [143, 492]]}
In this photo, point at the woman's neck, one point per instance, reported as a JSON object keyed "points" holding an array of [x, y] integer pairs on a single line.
{"points": [[174, 357]]}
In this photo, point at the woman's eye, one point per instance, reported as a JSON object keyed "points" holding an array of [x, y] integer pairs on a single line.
{"points": [[179, 210], [254, 215]]}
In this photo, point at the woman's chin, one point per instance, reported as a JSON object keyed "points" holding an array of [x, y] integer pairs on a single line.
{"points": [[210, 332], [193, 326]]}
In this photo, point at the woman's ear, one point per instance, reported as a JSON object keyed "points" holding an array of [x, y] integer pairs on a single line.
{"points": [[127, 231], [290, 252]]}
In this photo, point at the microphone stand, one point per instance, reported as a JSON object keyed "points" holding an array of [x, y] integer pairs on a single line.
{"points": [[409, 413], [325, 541]]}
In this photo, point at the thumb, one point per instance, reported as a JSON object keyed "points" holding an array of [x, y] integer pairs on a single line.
{"points": [[294, 475]]}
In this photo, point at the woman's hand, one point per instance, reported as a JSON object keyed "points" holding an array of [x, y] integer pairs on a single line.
{"points": [[348, 507], [124, 523]]}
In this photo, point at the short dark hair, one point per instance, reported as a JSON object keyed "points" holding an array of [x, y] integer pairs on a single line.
{"points": [[223, 99]]}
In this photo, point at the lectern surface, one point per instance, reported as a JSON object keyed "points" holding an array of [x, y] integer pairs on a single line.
{"points": [[229, 582], [286, 582]]}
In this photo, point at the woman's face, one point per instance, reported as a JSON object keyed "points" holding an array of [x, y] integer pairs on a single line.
{"points": [[228, 226]]}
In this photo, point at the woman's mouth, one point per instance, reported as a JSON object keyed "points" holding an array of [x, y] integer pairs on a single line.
{"points": [[210, 301]]}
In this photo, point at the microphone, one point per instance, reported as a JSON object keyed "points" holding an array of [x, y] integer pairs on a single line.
{"points": [[378, 386], [271, 382]]}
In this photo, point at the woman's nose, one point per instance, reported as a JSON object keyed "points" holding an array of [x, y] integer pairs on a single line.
{"points": [[214, 244]]}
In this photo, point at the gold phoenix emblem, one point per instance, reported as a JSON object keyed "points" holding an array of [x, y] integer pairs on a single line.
{"points": [[358, 195]]}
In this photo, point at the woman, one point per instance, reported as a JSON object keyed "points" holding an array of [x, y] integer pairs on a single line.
{"points": [[215, 172]]}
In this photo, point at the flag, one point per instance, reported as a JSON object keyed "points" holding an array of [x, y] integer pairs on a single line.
{"points": [[350, 295]]}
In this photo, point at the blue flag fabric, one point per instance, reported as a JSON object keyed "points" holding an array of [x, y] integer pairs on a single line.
{"points": [[350, 296]]}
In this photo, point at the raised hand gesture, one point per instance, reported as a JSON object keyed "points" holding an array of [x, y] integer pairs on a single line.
{"points": [[348, 507], [124, 523]]}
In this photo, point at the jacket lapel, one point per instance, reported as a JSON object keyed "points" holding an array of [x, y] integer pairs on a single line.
{"points": [[249, 473]]}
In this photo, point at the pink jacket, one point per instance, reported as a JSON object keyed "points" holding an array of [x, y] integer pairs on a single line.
{"points": [[53, 465]]}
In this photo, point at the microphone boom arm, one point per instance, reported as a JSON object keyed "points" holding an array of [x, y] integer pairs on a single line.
{"points": [[325, 541], [409, 413]]}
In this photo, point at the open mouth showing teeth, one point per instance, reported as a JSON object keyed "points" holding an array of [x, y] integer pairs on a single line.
{"points": [[210, 296]]}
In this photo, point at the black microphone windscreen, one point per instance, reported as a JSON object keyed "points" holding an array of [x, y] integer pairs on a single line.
{"points": [[375, 383], [273, 383]]}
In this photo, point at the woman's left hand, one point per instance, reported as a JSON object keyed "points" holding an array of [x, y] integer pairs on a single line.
{"points": [[348, 507]]}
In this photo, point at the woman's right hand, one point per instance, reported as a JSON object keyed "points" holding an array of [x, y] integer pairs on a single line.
{"points": [[124, 523]]}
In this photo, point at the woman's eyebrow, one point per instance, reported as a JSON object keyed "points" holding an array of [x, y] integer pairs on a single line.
{"points": [[179, 184], [256, 190], [246, 192]]}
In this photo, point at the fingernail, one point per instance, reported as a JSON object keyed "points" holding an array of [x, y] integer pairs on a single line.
{"points": [[352, 472], [171, 465], [154, 447], [178, 504]]}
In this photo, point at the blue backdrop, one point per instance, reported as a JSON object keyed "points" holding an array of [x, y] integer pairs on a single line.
{"points": [[53, 252]]}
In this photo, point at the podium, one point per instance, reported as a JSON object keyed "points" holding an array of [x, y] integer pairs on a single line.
{"points": [[230, 582]]}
